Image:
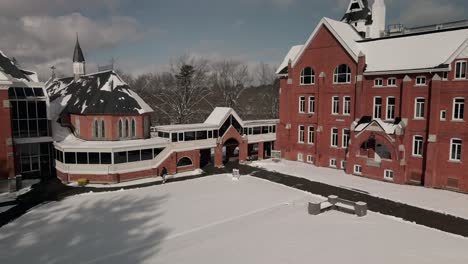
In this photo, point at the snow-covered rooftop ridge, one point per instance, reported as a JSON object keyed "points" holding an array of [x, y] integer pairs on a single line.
{"points": [[9, 71], [407, 52], [218, 115], [388, 128]]}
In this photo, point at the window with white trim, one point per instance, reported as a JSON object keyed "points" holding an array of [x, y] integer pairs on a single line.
{"points": [[419, 103], [458, 109], [390, 108], [418, 146], [378, 82], [357, 169], [342, 74], [333, 163], [377, 107], [455, 149], [334, 137], [460, 70], [301, 104], [310, 159], [421, 80], [311, 104], [300, 157], [347, 105], [307, 76], [335, 105], [388, 175], [445, 76], [391, 82], [443, 115], [346, 137], [311, 138], [301, 134], [343, 164]]}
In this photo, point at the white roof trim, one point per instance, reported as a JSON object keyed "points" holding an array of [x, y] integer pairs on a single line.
{"points": [[457, 52], [343, 43], [430, 70]]}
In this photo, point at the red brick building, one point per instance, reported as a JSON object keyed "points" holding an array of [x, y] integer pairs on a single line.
{"points": [[388, 105]]}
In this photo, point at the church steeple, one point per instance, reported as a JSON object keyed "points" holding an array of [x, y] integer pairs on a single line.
{"points": [[79, 63], [369, 23]]}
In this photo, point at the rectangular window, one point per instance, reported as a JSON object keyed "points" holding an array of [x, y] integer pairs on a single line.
{"points": [[418, 146], [343, 164], [106, 158], [82, 158], [334, 137], [357, 169], [443, 115], [310, 159], [335, 105], [93, 158], [347, 105], [346, 137], [300, 157], [311, 104], [311, 135], [421, 80], [388, 175], [391, 82], [302, 104], [390, 108], [455, 149], [460, 70], [146, 154], [377, 107], [378, 82], [70, 158], [301, 134], [458, 109], [120, 157], [333, 163], [445, 76], [419, 108]]}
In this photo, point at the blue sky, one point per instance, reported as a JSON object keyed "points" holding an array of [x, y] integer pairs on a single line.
{"points": [[145, 35]]}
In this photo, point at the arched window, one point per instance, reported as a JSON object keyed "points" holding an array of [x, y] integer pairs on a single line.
{"points": [[307, 76], [96, 129], [342, 74], [127, 132], [103, 129], [183, 162], [134, 127], [120, 128]]}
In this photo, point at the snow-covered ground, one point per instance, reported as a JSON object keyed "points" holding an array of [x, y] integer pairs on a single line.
{"points": [[216, 220], [438, 200]]}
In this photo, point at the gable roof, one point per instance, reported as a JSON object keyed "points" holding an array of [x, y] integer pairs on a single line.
{"points": [[293, 52], [220, 114], [358, 10], [9, 71], [97, 94]]}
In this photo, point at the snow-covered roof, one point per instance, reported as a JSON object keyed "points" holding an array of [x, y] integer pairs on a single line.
{"points": [[220, 114], [388, 128], [10, 72], [421, 51], [186, 127], [98, 93]]}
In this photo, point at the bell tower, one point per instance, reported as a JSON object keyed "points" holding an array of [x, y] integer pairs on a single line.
{"points": [[79, 63], [369, 23]]}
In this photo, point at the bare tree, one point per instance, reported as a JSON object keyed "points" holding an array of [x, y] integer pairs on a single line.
{"points": [[264, 74], [230, 79]]}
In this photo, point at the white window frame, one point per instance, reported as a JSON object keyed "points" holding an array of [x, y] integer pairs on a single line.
{"points": [[389, 175], [394, 80], [443, 115], [420, 105], [310, 159], [345, 137], [302, 104], [300, 157], [335, 105], [311, 135], [445, 75], [301, 134], [303, 76], [347, 105], [459, 148], [311, 104], [421, 80], [458, 115], [334, 137], [378, 82], [459, 73], [343, 164], [347, 74], [390, 108], [374, 114], [333, 163], [418, 151], [357, 169]]}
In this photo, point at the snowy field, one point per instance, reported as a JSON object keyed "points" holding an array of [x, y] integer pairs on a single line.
{"points": [[437, 200], [216, 220]]}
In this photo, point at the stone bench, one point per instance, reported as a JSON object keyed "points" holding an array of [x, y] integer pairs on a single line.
{"points": [[336, 203]]}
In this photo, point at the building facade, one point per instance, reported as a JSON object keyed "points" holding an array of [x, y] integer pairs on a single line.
{"points": [[384, 106]]}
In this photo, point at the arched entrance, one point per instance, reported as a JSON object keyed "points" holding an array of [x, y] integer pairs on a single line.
{"points": [[231, 151]]}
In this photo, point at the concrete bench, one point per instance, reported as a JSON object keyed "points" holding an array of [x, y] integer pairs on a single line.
{"points": [[336, 203]]}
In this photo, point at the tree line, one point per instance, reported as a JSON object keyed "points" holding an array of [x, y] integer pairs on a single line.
{"points": [[192, 87]]}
